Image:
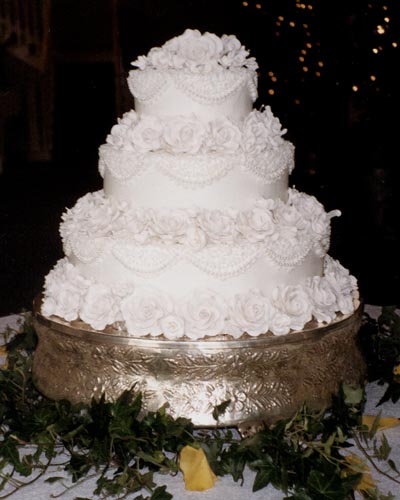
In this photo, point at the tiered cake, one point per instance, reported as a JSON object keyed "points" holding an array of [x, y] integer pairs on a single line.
{"points": [[196, 233], [196, 275]]}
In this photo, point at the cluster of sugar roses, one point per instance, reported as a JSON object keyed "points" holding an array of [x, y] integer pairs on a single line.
{"points": [[198, 53], [301, 221], [145, 311], [260, 131]]}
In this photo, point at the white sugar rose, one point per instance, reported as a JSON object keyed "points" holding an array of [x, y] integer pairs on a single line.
{"points": [[323, 299], [200, 52], [92, 215], [147, 134], [256, 224], [133, 224], [172, 326], [159, 58], [195, 237], [249, 312], [225, 136], [143, 310], [204, 314], [218, 226], [273, 126], [63, 291], [65, 274], [99, 307], [170, 226], [279, 323], [294, 301], [320, 226], [343, 284], [231, 44], [65, 303], [235, 55], [184, 134], [129, 118], [118, 135], [254, 135]]}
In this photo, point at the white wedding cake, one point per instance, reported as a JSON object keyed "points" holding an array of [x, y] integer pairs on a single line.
{"points": [[196, 233]]}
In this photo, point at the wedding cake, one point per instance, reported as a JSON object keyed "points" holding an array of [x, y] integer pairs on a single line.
{"points": [[196, 233]]}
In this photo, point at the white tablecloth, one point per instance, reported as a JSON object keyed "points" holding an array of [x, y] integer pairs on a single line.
{"points": [[225, 487]]}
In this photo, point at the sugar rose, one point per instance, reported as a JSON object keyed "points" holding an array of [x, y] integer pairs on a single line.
{"points": [[250, 312], [143, 310], [147, 134], [293, 301], [99, 307], [184, 135], [323, 299], [200, 52], [225, 136], [204, 314], [172, 326]]}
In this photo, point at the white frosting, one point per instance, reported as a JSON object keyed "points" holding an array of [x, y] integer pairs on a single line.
{"points": [[196, 232], [141, 309], [163, 189]]}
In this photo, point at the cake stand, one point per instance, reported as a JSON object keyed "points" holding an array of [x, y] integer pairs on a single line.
{"points": [[265, 378]]}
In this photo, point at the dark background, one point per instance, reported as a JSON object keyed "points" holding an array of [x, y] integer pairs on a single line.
{"points": [[328, 70]]}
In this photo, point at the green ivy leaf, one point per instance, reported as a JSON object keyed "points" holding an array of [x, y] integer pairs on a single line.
{"points": [[324, 487], [161, 493], [263, 478]]}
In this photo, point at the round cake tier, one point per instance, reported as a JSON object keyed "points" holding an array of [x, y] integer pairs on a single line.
{"points": [[226, 270], [222, 93], [155, 188], [264, 378]]}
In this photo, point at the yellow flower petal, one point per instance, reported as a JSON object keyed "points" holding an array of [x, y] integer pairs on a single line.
{"points": [[3, 357], [384, 422], [197, 472], [396, 370], [357, 465]]}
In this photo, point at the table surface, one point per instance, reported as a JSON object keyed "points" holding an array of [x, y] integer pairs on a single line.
{"points": [[225, 486]]}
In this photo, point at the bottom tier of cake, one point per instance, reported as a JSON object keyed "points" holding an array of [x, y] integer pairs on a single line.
{"points": [[264, 378]]}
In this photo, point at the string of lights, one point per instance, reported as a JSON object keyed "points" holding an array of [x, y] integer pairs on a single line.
{"points": [[367, 35]]}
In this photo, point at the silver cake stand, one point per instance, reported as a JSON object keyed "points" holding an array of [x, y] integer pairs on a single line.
{"points": [[264, 378]]}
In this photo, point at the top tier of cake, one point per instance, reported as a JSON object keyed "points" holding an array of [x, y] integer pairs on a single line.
{"points": [[195, 74]]}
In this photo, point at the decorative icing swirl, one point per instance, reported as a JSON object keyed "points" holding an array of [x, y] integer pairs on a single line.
{"points": [[142, 311], [198, 53]]}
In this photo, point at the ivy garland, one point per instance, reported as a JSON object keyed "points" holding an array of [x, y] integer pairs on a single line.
{"points": [[307, 456]]}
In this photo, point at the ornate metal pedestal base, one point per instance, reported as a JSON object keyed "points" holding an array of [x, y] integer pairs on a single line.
{"points": [[265, 378]]}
